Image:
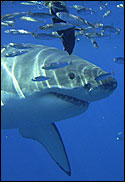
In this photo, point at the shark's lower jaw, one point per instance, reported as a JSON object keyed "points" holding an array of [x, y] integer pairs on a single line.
{"points": [[71, 99]]}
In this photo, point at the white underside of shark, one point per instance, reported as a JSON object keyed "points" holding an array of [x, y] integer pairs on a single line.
{"points": [[34, 107]]}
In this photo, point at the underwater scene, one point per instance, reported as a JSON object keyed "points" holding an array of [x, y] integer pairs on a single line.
{"points": [[62, 90]]}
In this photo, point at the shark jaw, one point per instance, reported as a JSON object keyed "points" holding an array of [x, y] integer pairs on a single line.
{"points": [[46, 108]]}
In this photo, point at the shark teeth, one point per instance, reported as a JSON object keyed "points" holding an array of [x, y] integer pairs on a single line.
{"points": [[71, 99]]}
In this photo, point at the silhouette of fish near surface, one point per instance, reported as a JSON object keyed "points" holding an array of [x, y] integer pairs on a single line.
{"points": [[68, 35]]}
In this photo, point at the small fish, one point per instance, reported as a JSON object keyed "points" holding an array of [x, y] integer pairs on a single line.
{"points": [[28, 18], [73, 19], [76, 7], [19, 46], [40, 15], [93, 35], [104, 76], [85, 10], [56, 27], [17, 32], [107, 13], [82, 31], [94, 43], [70, 18], [55, 33], [120, 6], [119, 60], [110, 28], [31, 3], [7, 23], [119, 138], [120, 133], [103, 5], [40, 78], [55, 65], [45, 36], [12, 15], [15, 53], [27, 3], [98, 25], [60, 6], [77, 39], [79, 33]]}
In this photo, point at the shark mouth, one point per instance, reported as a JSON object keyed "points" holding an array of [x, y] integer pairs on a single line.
{"points": [[71, 99]]}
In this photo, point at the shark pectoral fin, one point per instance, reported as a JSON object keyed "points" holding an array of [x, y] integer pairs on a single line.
{"points": [[48, 135]]}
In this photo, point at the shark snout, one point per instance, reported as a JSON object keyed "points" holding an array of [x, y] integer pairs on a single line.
{"points": [[109, 84]]}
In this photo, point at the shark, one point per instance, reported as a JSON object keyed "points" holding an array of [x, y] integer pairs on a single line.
{"points": [[33, 107]]}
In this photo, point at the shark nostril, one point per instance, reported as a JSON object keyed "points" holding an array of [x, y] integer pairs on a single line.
{"points": [[87, 86]]}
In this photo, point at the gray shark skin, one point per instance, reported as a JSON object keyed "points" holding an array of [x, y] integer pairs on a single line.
{"points": [[33, 107]]}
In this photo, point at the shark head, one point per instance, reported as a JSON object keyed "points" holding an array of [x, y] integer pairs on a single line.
{"points": [[78, 82], [68, 91]]}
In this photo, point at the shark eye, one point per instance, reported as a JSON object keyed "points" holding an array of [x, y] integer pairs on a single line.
{"points": [[71, 76], [58, 14]]}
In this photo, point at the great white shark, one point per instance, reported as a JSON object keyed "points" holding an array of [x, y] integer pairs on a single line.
{"points": [[34, 107]]}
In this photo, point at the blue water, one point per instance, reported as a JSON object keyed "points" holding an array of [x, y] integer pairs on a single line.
{"points": [[89, 139]]}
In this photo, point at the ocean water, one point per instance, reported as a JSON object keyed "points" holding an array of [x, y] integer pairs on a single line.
{"points": [[90, 139]]}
